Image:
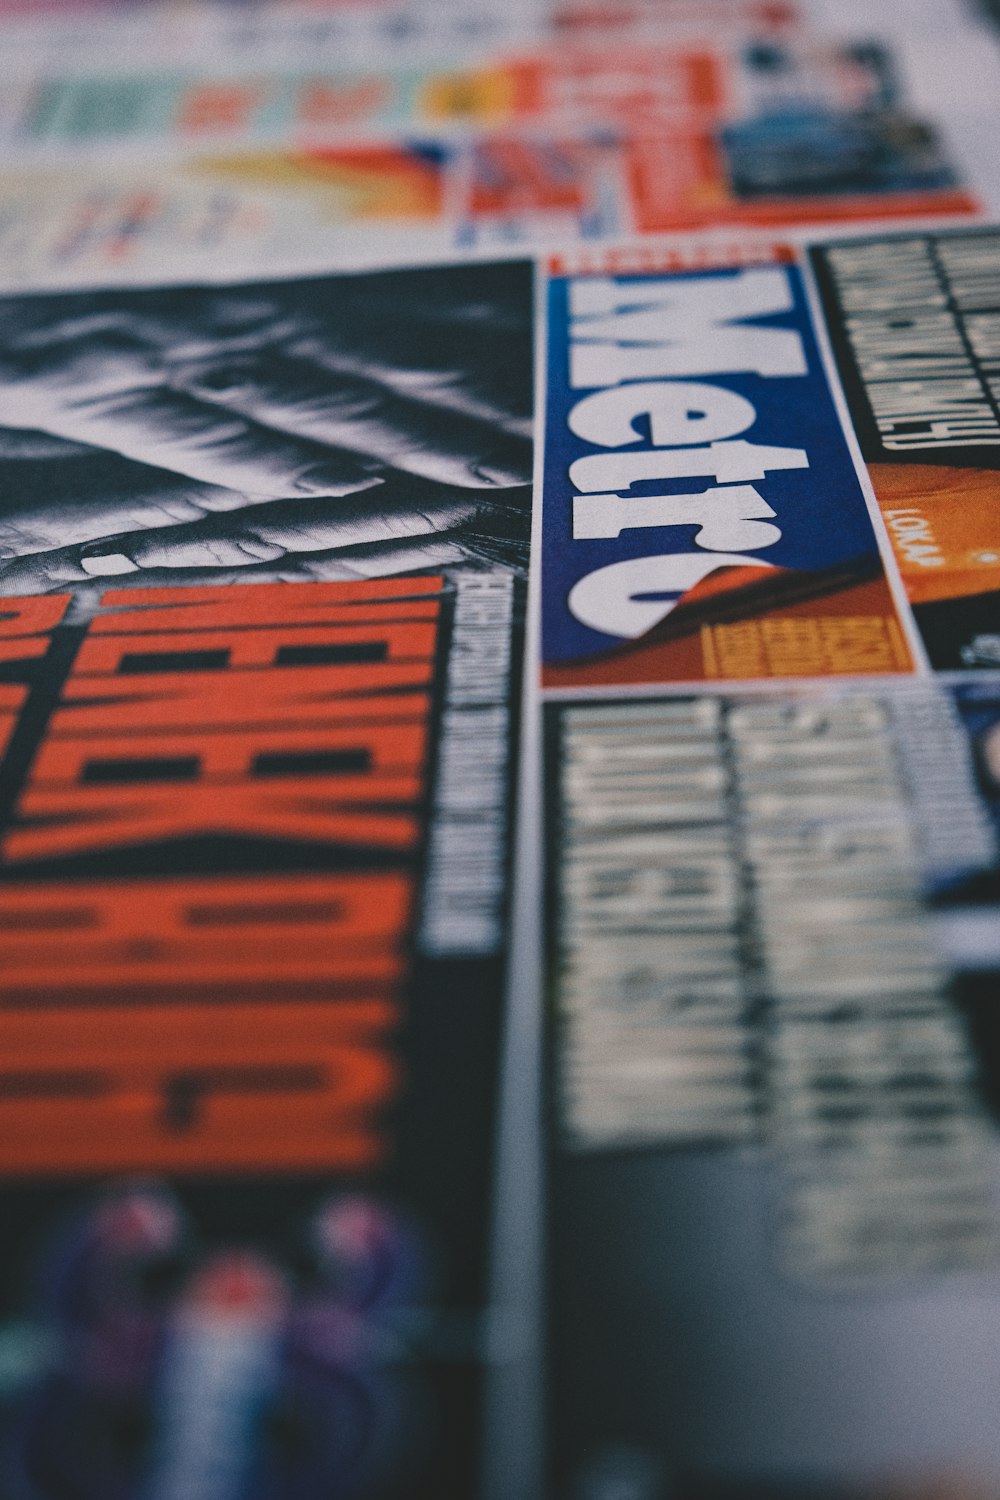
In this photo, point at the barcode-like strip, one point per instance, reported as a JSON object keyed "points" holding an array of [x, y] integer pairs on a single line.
{"points": [[465, 875]]}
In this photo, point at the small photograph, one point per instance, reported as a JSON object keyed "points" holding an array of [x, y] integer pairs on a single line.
{"points": [[829, 121], [222, 1368], [327, 428]]}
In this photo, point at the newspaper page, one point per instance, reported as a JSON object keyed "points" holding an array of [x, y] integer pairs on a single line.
{"points": [[768, 642], [500, 731], [263, 562], [466, 150]]}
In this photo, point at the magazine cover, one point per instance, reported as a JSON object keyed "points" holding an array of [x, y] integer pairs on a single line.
{"points": [[914, 322], [765, 563], [773, 878], [262, 558], [499, 760], [542, 145]]}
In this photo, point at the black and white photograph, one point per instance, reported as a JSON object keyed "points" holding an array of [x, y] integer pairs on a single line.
{"points": [[334, 427]]}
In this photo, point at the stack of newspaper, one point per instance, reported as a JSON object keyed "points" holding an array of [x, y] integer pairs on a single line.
{"points": [[500, 732]]}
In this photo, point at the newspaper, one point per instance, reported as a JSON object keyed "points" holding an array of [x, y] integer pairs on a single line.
{"points": [[773, 803], [500, 733], [139, 173], [260, 729]]}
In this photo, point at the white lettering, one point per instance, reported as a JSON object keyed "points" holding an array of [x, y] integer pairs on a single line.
{"points": [[656, 329], [727, 517], [679, 412], [728, 463], [611, 599]]}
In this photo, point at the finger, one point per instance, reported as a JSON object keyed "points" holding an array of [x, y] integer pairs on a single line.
{"points": [[122, 404], [55, 504], [485, 374], [295, 396], [49, 572], [18, 444], [265, 533], [459, 336], [41, 573], [458, 343], [461, 342], [142, 323]]}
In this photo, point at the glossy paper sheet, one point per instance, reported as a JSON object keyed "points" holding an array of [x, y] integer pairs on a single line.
{"points": [[500, 733], [542, 144], [773, 921], [259, 720]]}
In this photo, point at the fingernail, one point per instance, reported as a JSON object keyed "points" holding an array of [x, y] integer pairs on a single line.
{"points": [[348, 478], [108, 565], [504, 474]]}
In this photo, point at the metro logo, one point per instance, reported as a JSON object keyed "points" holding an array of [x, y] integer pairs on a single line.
{"points": [[666, 327], [673, 329], [690, 432]]}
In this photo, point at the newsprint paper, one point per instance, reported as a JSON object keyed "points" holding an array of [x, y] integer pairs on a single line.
{"points": [[500, 734]]}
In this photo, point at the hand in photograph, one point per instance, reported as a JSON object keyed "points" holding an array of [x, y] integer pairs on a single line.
{"points": [[266, 427]]}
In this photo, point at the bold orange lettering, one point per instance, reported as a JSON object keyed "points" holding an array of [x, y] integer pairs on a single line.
{"points": [[195, 1089], [78, 819], [263, 604], [24, 650], [36, 615], [342, 759], [268, 934], [294, 695], [274, 646], [12, 699]]}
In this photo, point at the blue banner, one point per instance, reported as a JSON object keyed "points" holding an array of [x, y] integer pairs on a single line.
{"points": [[690, 429]]}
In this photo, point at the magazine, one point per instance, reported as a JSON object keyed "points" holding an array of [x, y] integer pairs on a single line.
{"points": [[261, 597], [772, 819], [499, 753], [543, 145]]}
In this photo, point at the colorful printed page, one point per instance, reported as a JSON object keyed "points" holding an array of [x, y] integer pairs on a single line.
{"points": [[771, 719], [261, 606], [542, 146], [499, 753]]}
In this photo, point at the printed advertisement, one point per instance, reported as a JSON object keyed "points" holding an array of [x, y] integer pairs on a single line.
{"points": [[684, 18], [915, 322], [263, 558], [544, 147], [389, 202], [576, 85], [772, 838], [98, 35], [774, 962], [288, 816], [702, 515]]}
